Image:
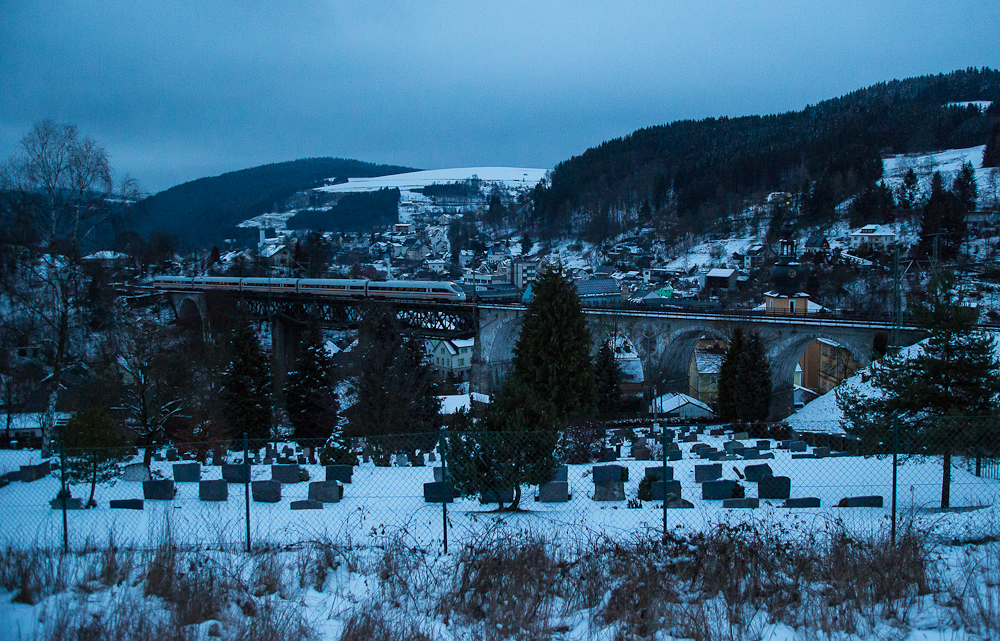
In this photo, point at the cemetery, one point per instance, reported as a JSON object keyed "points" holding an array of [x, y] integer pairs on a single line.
{"points": [[723, 475]]}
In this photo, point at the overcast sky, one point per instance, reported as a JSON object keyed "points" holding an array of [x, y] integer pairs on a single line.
{"points": [[178, 89]]}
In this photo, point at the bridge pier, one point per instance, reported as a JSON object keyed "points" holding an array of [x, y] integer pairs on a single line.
{"points": [[286, 347]]}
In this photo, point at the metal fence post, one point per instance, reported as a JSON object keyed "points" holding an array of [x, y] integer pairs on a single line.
{"points": [[246, 485], [444, 482], [64, 494], [663, 439], [895, 459]]}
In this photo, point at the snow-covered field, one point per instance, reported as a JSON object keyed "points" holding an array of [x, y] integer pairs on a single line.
{"points": [[510, 177]]}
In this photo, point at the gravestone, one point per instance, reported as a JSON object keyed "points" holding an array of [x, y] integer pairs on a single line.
{"points": [[416, 460], [438, 474], [382, 460], [158, 490], [187, 472], [127, 504], [287, 451], [809, 501], [704, 473], [325, 491], [797, 446], [674, 455], [754, 473], [820, 452], [641, 453], [751, 454], [172, 455], [860, 501], [213, 490], [505, 495], [783, 444], [286, 473], [233, 473], [716, 432], [656, 473], [763, 445], [269, 460], [305, 505], [560, 473], [608, 455], [301, 459], [438, 492], [157, 456], [774, 487], [31, 473], [609, 491], [604, 473], [554, 492], [673, 488], [718, 490], [341, 473], [266, 491], [66, 503], [715, 456], [741, 436], [766, 455], [689, 438], [136, 472], [741, 503], [432, 457], [400, 460], [679, 504], [733, 447]]}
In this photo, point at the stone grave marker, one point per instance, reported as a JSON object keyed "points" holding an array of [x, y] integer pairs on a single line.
{"points": [[158, 490], [820, 452], [213, 490], [641, 453], [733, 447], [656, 473], [809, 501], [187, 472], [400, 460], [751, 454], [266, 491], [31, 473], [416, 459], [127, 504], [741, 436], [553, 492], [764, 445], [438, 492], [797, 446], [718, 490], [560, 473], [806, 455], [774, 487], [673, 488], [432, 457], [705, 473], [286, 473], [172, 455], [341, 473], [136, 472], [741, 503], [603, 473], [754, 473], [438, 474], [305, 505], [860, 501], [325, 491], [609, 491], [233, 473]]}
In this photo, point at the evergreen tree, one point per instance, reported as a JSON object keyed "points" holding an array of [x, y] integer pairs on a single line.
{"points": [[511, 445], [395, 385], [94, 449], [309, 394], [552, 355], [907, 192], [991, 153], [965, 187], [726, 387], [526, 244], [954, 376], [753, 381], [944, 219], [246, 387], [608, 382]]}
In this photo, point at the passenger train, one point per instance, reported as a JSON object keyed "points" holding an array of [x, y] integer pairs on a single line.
{"points": [[441, 291]]}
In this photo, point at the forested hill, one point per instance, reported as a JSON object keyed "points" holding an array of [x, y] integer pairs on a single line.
{"points": [[204, 211], [699, 175]]}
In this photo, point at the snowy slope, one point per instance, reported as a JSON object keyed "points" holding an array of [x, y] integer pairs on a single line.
{"points": [[948, 162], [510, 177]]}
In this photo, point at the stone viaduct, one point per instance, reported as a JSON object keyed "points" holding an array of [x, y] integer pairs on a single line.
{"points": [[665, 341]]}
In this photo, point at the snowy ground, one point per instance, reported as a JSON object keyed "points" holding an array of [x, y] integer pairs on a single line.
{"points": [[510, 177], [392, 498]]}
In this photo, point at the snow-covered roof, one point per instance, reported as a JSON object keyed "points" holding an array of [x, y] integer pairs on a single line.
{"points": [[874, 230], [675, 400], [719, 272], [598, 287], [706, 362], [106, 255]]}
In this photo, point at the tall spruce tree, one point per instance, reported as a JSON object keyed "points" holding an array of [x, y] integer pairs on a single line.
{"points": [[608, 382], [753, 381], [726, 388], [930, 395], [246, 387], [552, 355], [965, 187], [309, 395], [944, 219], [397, 393]]}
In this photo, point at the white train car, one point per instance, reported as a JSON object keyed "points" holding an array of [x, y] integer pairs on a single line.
{"points": [[334, 287]]}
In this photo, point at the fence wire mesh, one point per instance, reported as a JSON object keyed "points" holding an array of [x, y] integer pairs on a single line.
{"points": [[610, 481]]}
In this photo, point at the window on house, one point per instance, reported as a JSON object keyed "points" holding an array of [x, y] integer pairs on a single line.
{"points": [[791, 307], [461, 362]]}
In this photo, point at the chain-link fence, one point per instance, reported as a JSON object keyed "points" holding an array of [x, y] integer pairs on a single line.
{"points": [[451, 486]]}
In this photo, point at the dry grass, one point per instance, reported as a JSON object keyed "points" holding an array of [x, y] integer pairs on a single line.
{"points": [[367, 624]]}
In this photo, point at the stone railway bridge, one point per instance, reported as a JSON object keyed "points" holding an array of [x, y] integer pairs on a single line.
{"points": [[664, 340]]}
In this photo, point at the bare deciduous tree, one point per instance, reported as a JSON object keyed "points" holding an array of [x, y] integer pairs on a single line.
{"points": [[58, 189]]}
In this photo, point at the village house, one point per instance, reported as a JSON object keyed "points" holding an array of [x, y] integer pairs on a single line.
{"points": [[875, 236], [453, 356]]}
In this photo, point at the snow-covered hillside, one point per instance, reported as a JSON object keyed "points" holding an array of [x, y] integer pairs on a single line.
{"points": [[508, 177], [948, 162]]}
